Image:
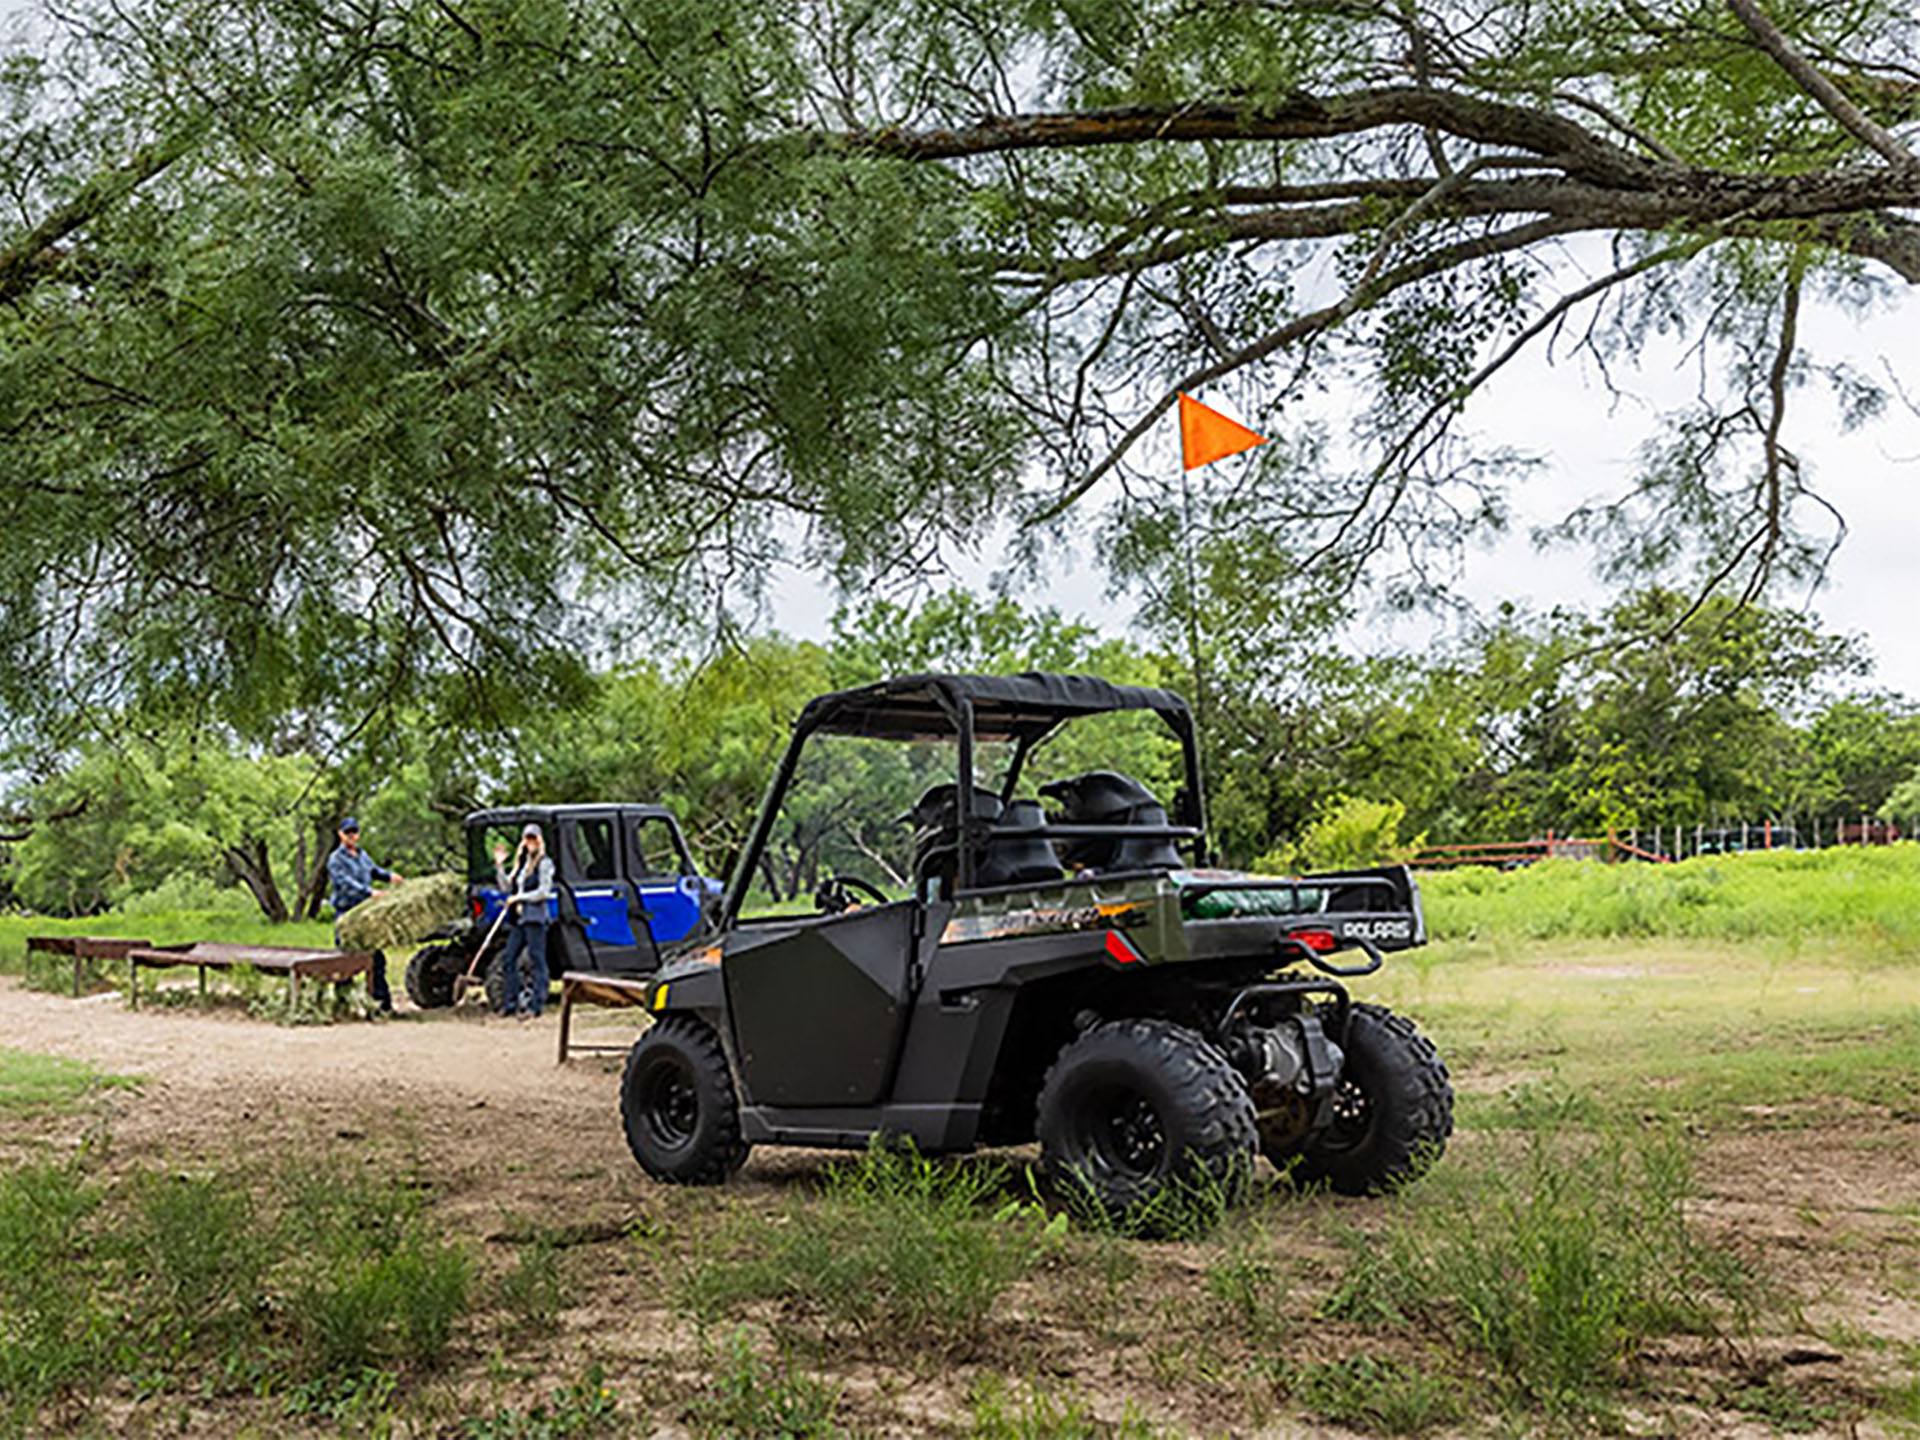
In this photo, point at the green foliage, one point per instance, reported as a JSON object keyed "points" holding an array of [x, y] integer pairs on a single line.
{"points": [[381, 444], [1540, 723], [31, 1081], [315, 1287], [171, 819], [348, 1398], [996, 1413], [1382, 1396], [56, 1330], [1860, 894], [1902, 804], [585, 1408], [756, 1399], [1345, 832], [1188, 1207], [357, 1307], [1786, 1409], [537, 1288], [1246, 1289], [901, 1249], [1554, 1264]]}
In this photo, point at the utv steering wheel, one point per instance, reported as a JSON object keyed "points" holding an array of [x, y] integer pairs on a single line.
{"points": [[834, 897]]}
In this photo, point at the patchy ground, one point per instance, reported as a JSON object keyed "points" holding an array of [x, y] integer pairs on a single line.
{"points": [[1819, 1192]]}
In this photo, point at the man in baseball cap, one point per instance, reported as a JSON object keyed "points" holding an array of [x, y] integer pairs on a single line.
{"points": [[352, 873]]}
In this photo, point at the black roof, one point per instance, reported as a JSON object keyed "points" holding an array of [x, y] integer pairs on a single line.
{"points": [[1005, 707], [519, 814]]}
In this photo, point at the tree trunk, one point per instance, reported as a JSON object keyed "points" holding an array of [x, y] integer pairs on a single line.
{"points": [[249, 862], [313, 880]]}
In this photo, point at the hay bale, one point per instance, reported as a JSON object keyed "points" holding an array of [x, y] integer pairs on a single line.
{"points": [[404, 914]]}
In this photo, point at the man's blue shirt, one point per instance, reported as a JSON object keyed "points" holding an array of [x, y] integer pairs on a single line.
{"points": [[353, 873]]}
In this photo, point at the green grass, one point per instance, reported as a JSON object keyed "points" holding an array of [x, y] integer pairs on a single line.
{"points": [[317, 1286], [996, 1413], [1378, 1395], [585, 1408], [899, 1250], [1552, 1261], [31, 1082], [1777, 1032], [746, 1397], [1863, 898]]}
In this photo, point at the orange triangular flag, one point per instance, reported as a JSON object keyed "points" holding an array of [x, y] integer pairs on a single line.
{"points": [[1206, 435]]}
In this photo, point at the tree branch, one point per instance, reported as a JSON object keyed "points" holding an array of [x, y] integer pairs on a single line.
{"points": [[1852, 118], [22, 263], [1312, 323], [1300, 117]]}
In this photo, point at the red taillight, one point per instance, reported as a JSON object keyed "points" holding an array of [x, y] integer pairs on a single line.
{"points": [[1120, 950], [1321, 940]]}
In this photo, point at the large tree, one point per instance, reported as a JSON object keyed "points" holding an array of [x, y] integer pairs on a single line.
{"points": [[355, 351]]}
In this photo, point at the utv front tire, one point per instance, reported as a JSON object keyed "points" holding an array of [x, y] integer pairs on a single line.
{"points": [[1133, 1109], [430, 976], [678, 1105], [1393, 1110]]}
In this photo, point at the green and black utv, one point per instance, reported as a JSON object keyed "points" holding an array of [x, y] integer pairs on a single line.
{"points": [[1059, 964]]}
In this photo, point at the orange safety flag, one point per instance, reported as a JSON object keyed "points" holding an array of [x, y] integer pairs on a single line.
{"points": [[1206, 435]]}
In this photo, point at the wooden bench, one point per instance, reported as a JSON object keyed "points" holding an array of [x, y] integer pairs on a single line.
{"points": [[339, 966], [82, 948], [584, 987]]}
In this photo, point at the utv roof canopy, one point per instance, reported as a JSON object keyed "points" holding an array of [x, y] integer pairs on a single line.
{"points": [[1005, 707]]}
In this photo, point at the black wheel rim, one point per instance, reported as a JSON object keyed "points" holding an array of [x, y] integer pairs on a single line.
{"points": [[669, 1102], [1352, 1118], [1120, 1134]]}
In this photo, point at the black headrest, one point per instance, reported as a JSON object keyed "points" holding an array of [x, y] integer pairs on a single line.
{"points": [[937, 810], [1098, 795]]}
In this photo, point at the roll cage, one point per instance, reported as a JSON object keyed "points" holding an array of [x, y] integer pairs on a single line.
{"points": [[1023, 710]]}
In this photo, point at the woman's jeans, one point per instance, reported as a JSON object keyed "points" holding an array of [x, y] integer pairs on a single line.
{"points": [[531, 937]]}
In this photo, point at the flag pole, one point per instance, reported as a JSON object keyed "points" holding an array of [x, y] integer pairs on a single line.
{"points": [[1193, 598]]}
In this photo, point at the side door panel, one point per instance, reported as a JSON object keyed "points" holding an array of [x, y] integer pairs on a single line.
{"points": [[592, 869], [661, 872], [818, 1004]]}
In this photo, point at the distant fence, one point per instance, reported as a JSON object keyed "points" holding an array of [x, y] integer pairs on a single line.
{"points": [[1663, 844]]}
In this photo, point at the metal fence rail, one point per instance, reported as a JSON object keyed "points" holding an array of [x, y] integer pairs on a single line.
{"points": [[1663, 844]]}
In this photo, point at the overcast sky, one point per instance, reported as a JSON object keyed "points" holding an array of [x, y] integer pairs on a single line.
{"points": [[1587, 442]]}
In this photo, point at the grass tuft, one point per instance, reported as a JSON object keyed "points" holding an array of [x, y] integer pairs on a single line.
{"points": [[1555, 1263], [995, 1413], [1383, 1396], [899, 1247], [179, 1283], [585, 1408], [748, 1398]]}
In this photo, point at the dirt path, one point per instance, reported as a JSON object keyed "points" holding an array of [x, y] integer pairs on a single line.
{"points": [[450, 1056]]}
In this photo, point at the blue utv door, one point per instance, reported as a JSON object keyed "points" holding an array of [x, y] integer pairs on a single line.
{"points": [[590, 867]]}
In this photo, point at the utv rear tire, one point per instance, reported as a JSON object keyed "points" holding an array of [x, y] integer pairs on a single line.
{"points": [[495, 984], [1134, 1108], [430, 976], [678, 1105], [1393, 1110]]}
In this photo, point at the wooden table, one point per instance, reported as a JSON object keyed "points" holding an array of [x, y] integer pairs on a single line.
{"points": [[82, 948], [620, 992], [339, 966]]}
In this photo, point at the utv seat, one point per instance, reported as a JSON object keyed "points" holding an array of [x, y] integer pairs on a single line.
{"points": [[1000, 860], [1105, 797], [1018, 859]]}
